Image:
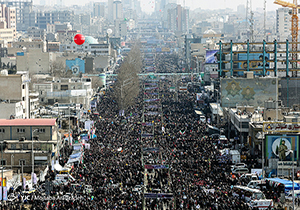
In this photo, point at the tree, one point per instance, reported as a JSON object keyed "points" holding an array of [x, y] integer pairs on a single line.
{"points": [[126, 88]]}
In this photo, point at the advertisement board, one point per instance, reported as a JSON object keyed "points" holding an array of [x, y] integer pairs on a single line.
{"points": [[245, 91], [281, 146], [211, 56], [255, 60]]}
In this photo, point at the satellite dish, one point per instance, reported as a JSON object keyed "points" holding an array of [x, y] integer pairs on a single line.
{"points": [[109, 31]]}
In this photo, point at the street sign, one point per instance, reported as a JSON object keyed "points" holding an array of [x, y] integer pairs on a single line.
{"points": [[281, 127]]}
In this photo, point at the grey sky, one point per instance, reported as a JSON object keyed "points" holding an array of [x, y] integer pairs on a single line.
{"points": [[149, 5]]}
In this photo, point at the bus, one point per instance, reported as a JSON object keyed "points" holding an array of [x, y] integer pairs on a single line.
{"points": [[249, 194], [285, 185]]}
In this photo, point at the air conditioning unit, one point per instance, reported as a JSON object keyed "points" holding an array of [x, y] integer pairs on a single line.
{"points": [[75, 69]]}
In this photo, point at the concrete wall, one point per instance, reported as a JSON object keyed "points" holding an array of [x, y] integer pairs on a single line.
{"points": [[15, 109], [11, 87]]}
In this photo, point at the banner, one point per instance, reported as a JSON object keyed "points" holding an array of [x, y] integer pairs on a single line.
{"points": [[151, 149], [151, 100], [5, 193], [151, 88], [151, 93], [152, 113], [156, 166], [151, 84], [211, 56], [145, 135], [147, 124], [281, 127], [151, 107], [159, 195]]}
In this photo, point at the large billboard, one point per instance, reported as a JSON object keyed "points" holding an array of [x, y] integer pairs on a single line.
{"points": [[244, 91], [211, 56], [255, 62], [280, 147]]}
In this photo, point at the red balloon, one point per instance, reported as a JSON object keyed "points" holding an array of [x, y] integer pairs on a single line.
{"points": [[79, 39]]}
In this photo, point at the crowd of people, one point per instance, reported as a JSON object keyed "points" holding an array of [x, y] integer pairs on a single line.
{"points": [[113, 166]]}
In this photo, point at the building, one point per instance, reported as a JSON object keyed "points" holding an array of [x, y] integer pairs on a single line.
{"points": [[76, 66], [23, 12], [117, 10], [110, 8], [178, 19], [16, 90], [34, 61], [66, 36], [20, 134], [75, 90], [13, 109], [36, 34], [283, 23], [98, 10]]}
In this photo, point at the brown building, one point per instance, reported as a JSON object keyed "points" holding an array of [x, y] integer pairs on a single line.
{"points": [[18, 137]]}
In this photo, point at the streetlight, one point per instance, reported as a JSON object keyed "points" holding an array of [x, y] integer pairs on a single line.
{"points": [[32, 157]]}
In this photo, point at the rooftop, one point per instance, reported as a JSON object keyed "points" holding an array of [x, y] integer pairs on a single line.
{"points": [[27, 122]]}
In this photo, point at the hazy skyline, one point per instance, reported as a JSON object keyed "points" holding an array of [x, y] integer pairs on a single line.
{"points": [[149, 5]]}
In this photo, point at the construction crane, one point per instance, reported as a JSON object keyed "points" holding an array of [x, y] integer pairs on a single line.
{"points": [[294, 29]]}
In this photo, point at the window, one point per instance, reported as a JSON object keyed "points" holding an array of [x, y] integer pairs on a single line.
{"points": [[20, 130], [2, 162], [13, 146], [2, 130], [22, 162], [25, 146], [42, 130]]}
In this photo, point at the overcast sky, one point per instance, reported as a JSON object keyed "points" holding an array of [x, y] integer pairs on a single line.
{"points": [[149, 5]]}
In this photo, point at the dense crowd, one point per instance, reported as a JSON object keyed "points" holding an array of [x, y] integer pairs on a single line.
{"points": [[196, 177]]}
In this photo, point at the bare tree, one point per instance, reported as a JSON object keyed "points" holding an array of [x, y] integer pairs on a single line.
{"points": [[126, 88]]}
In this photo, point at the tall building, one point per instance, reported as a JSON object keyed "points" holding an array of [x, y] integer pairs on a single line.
{"points": [[8, 14], [98, 9], [110, 8], [178, 19], [283, 24], [23, 10], [117, 10]]}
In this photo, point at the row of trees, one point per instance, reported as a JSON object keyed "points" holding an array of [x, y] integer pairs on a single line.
{"points": [[127, 86]]}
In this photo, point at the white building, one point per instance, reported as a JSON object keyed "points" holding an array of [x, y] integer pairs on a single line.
{"points": [[283, 23], [15, 89], [117, 10]]}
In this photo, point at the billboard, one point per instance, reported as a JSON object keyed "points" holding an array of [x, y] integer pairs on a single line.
{"points": [[280, 147], [211, 56], [244, 91], [255, 60]]}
